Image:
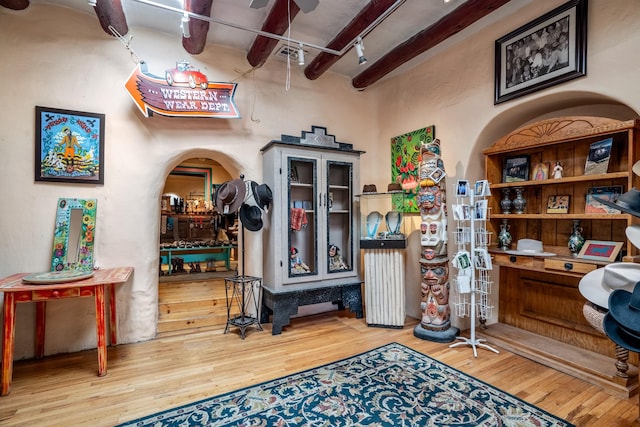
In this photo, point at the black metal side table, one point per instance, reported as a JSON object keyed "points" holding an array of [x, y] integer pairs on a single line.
{"points": [[243, 293]]}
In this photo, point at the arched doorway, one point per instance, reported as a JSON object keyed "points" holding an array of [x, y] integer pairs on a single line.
{"points": [[197, 248]]}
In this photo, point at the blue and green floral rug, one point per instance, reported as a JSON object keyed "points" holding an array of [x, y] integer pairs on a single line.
{"points": [[389, 386]]}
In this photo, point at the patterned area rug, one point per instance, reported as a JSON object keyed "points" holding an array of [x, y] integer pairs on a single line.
{"points": [[389, 386]]}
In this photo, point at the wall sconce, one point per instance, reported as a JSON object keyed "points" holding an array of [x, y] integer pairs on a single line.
{"points": [[300, 55], [360, 51], [184, 24]]}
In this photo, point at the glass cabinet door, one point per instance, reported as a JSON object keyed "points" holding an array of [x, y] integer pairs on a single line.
{"points": [[338, 208], [303, 217]]}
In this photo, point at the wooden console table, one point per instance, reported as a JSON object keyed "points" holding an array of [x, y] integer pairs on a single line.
{"points": [[15, 291]]}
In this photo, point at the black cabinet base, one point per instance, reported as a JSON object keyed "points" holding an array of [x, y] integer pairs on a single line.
{"points": [[282, 305]]}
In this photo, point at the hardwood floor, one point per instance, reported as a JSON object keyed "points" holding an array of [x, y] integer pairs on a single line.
{"points": [[148, 377]]}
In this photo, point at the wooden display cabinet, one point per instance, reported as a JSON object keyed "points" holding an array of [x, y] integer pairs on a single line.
{"points": [[313, 180], [540, 306]]}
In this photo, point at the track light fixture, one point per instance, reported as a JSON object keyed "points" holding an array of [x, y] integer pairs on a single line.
{"points": [[92, 3], [300, 55], [184, 24], [305, 5], [360, 51]]}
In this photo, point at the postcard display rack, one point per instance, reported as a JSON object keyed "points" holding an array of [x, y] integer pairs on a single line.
{"points": [[472, 260]]}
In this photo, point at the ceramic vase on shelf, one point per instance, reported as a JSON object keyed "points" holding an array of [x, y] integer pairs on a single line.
{"points": [[505, 203], [576, 240], [519, 203], [504, 236]]}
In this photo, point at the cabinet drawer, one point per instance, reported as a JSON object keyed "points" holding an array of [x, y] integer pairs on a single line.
{"points": [[564, 265], [55, 293], [506, 259]]}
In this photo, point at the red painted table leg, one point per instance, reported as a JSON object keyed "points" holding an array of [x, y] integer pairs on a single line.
{"points": [[41, 312], [8, 341], [112, 315], [101, 330]]}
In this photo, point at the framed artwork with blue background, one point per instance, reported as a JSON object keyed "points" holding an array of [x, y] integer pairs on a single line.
{"points": [[69, 146]]}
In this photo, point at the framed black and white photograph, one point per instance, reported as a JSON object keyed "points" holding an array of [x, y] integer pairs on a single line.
{"points": [[516, 169], [549, 50]]}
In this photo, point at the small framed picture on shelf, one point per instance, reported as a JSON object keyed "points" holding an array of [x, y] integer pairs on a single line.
{"points": [[600, 251], [540, 172], [598, 158], [558, 204], [516, 169], [609, 194], [437, 175]]}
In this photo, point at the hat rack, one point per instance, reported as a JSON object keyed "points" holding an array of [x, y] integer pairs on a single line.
{"points": [[241, 290]]}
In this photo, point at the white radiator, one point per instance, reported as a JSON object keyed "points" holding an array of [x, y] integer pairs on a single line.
{"points": [[384, 287]]}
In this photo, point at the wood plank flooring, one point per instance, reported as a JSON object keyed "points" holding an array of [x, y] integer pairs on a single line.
{"points": [[147, 377]]}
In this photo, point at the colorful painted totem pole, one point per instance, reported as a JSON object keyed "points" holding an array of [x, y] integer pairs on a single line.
{"points": [[435, 323]]}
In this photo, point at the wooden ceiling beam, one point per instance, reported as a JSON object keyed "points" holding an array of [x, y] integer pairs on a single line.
{"points": [[198, 28], [323, 61], [110, 12], [277, 23], [465, 15], [15, 4]]}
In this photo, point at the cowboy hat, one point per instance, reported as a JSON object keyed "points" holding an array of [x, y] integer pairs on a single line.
{"points": [[529, 247], [620, 335], [230, 196], [369, 188], [628, 202], [624, 307], [597, 285], [633, 234], [259, 195], [251, 217]]}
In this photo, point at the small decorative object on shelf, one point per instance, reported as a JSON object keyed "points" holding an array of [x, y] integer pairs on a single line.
{"points": [[373, 222], [557, 170], [504, 237], [506, 204], [296, 264], [576, 240], [393, 220], [336, 263], [519, 203]]}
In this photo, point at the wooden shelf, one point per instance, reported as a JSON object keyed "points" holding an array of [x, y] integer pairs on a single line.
{"points": [[540, 307], [564, 180], [567, 217]]}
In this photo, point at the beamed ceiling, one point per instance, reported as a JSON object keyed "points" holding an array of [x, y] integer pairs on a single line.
{"points": [[413, 28]]}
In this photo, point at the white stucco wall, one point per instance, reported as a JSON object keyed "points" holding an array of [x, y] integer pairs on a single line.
{"points": [[56, 57], [453, 89]]}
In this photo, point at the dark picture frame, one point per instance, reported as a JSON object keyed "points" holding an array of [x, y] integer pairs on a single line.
{"points": [[598, 159], [547, 51], [69, 146], [516, 169]]}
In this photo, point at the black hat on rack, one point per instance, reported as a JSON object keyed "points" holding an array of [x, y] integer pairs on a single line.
{"points": [[259, 195], [628, 202], [251, 217], [230, 196]]}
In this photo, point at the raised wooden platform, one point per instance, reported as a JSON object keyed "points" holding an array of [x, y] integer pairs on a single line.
{"points": [[586, 365]]}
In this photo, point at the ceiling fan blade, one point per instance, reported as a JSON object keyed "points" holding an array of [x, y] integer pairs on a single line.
{"points": [[307, 5], [258, 4]]}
